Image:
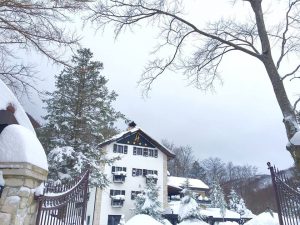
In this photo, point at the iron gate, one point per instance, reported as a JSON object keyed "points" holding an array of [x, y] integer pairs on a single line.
{"points": [[64, 204], [287, 197]]}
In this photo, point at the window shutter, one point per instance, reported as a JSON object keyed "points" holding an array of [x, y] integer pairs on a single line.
{"points": [[124, 169], [111, 192], [155, 172], [113, 169], [155, 153], [133, 172], [123, 192], [134, 150], [144, 172], [125, 149], [115, 148]]}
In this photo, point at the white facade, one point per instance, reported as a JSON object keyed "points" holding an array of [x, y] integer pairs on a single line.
{"points": [[134, 181]]}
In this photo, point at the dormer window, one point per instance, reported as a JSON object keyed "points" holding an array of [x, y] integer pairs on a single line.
{"points": [[119, 174], [123, 149], [117, 198]]}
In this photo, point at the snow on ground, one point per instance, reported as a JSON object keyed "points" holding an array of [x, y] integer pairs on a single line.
{"points": [[264, 219], [19, 144], [142, 219], [215, 212], [193, 222], [8, 98], [179, 182]]}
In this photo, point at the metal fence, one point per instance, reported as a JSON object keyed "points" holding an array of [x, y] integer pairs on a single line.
{"points": [[287, 197], [64, 204]]}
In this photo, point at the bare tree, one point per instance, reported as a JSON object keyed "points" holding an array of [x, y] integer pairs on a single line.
{"points": [[33, 25], [215, 170], [212, 43], [181, 164]]}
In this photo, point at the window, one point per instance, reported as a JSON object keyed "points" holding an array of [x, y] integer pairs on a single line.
{"points": [[147, 172], [119, 174], [120, 149], [137, 172], [113, 219], [117, 197], [145, 153], [134, 194], [137, 151]]}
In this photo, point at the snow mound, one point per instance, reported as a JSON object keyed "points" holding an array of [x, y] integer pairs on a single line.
{"points": [[295, 140], [193, 222], [142, 219], [264, 219], [7, 98], [19, 144]]}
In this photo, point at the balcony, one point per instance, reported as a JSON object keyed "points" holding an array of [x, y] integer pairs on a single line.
{"points": [[117, 201], [119, 176]]}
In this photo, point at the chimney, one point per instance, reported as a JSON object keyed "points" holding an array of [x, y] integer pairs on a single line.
{"points": [[131, 125]]}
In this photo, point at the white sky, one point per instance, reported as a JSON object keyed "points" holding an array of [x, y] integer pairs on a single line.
{"points": [[239, 122]]}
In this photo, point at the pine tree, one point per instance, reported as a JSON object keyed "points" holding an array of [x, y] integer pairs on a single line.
{"points": [[80, 116], [189, 208], [217, 197], [148, 203], [197, 171], [237, 203], [234, 200]]}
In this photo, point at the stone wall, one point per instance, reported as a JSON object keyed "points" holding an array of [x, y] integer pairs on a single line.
{"points": [[17, 204]]}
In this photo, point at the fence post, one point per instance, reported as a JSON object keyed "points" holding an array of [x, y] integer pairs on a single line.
{"points": [[17, 204], [271, 168]]}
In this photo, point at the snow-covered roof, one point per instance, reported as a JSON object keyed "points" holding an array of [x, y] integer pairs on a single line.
{"points": [[127, 133], [295, 140], [19, 144], [7, 98], [142, 219], [178, 182]]}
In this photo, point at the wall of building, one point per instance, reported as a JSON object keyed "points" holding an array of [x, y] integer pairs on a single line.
{"points": [[131, 183]]}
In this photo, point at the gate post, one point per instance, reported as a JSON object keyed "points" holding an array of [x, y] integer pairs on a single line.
{"points": [[271, 168], [17, 204]]}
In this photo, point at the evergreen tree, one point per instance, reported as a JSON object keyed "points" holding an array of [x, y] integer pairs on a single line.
{"points": [[217, 197], [197, 171], [234, 200], [80, 116], [148, 203], [189, 208], [237, 203]]}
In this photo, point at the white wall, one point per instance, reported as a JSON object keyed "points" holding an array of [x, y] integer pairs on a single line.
{"points": [[131, 183]]}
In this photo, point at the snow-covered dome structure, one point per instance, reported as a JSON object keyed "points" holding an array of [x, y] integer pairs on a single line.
{"points": [[18, 142]]}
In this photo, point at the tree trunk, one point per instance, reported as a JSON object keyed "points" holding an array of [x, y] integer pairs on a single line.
{"points": [[289, 116]]}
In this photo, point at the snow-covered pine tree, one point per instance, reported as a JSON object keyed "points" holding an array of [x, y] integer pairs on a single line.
{"points": [[148, 203], [79, 116], [189, 208], [234, 200], [217, 198], [237, 203]]}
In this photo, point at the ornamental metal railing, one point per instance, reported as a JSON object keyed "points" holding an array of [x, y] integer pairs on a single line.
{"points": [[287, 197], [64, 204]]}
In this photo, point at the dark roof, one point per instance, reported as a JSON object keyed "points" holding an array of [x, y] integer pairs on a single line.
{"points": [[125, 134]]}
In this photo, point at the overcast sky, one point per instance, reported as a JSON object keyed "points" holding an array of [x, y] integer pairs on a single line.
{"points": [[239, 122]]}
